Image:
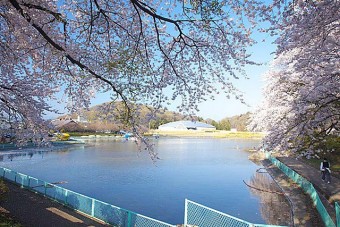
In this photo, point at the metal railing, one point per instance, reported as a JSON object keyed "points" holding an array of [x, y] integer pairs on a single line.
{"points": [[308, 188], [198, 215], [97, 209]]}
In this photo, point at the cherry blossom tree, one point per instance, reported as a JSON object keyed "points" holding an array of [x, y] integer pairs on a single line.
{"points": [[22, 104], [302, 94], [134, 49]]}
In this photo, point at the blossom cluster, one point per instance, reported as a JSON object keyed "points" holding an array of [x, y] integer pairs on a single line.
{"points": [[301, 106]]}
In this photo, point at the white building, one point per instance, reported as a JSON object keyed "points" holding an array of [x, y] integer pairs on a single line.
{"points": [[186, 125]]}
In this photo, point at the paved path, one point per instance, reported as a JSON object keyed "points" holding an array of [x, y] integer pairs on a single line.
{"points": [[329, 193], [34, 210]]}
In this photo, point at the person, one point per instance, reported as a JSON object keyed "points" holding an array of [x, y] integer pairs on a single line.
{"points": [[325, 170]]}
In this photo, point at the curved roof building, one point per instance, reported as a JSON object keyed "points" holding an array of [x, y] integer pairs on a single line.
{"points": [[186, 125]]}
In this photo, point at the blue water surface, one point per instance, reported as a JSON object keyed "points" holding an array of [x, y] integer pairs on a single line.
{"points": [[205, 170]]}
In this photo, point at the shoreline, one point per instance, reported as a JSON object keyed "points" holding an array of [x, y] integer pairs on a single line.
{"points": [[303, 212]]}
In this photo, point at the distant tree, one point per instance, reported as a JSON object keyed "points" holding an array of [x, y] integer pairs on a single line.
{"points": [[240, 121], [215, 124], [154, 124], [200, 119], [224, 124]]}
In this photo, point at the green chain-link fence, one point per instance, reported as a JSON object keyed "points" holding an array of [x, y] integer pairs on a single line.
{"points": [[308, 188], [103, 211], [202, 216], [337, 210]]}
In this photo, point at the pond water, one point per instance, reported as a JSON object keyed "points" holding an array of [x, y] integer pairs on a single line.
{"points": [[205, 170]]}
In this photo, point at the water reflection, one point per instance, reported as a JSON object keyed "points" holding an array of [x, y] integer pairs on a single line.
{"points": [[29, 153], [208, 171], [275, 208]]}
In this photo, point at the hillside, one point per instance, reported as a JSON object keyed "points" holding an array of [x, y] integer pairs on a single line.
{"points": [[107, 117], [239, 121]]}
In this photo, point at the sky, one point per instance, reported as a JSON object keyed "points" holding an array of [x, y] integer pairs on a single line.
{"points": [[221, 107], [251, 88]]}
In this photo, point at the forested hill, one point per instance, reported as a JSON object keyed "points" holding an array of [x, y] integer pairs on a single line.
{"points": [[104, 117], [238, 122]]}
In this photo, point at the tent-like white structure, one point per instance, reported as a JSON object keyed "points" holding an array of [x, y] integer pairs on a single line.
{"points": [[186, 125]]}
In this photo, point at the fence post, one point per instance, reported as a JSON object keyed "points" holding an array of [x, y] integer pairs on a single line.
{"points": [[45, 187], [337, 211], [66, 195], [129, 219], [186, 212], [92, 208], [22, 180], [29, 182]]}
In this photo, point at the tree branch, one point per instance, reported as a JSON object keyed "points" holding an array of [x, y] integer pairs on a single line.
{"points": [[61, 49]]}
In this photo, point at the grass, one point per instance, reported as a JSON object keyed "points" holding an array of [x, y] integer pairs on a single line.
{"points": [[332, 144], [333, 158], [213, 134]]}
